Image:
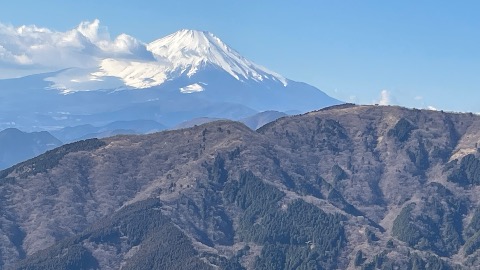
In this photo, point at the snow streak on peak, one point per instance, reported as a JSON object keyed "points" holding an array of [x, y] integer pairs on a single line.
{"points": [[189, 50], [196, 87]]}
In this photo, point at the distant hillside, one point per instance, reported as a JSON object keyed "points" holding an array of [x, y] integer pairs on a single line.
{"points": [[82, 132], [196, 122], [347, 187], [260, 119], [16, 146], [254, 121]]}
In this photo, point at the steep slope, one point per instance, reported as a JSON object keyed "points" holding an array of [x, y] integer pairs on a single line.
{"points": [[16, 146], [348, 187], [160, 244]]}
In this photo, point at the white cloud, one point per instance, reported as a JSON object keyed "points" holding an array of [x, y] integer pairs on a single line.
{"points": [[385, 98], [432, 108], [32, 47], [418, 98], [93, 31]]}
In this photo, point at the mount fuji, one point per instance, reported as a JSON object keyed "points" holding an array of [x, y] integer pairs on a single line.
{"points": [[188, 74]]}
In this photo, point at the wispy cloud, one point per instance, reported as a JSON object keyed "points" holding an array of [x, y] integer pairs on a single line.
{"points": [[385, 98], [418, 98]]}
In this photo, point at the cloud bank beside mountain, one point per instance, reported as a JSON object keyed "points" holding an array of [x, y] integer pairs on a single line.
{"points": [[30, 49]]}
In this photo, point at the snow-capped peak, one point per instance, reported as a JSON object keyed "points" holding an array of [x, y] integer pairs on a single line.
{"points": [[189, 50], [131, 63]]}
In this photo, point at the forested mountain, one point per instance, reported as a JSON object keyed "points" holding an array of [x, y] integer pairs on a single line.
{"points": [[347, 187]]}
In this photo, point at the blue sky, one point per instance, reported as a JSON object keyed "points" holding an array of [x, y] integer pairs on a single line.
{"points": [[411, 53]]}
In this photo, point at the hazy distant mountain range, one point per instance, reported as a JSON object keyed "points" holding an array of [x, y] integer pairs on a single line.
{"points": [[17, 146]]}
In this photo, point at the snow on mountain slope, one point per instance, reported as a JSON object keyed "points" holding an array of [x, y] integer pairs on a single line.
{"points": [[134, 74], [185, 52], [192, 88], [189, 50]]}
